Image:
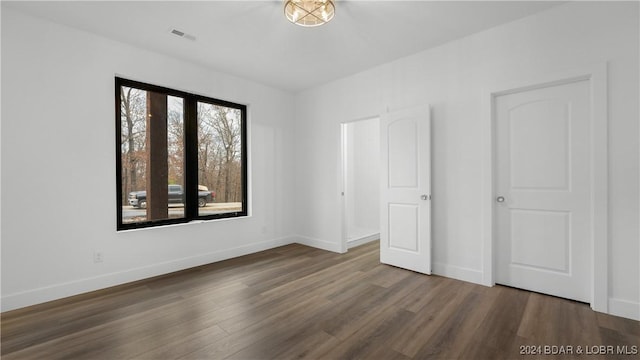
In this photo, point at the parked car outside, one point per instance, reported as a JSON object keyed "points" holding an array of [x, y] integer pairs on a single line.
{"points": [[176, 194]]}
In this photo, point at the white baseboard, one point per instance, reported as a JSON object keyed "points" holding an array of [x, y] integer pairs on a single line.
{"points": [[624, 308], [457, 272], [59, 291], [362, 240], [318, 244]]}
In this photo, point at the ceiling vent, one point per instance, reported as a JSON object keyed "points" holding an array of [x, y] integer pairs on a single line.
{"points": [[183, 34]]}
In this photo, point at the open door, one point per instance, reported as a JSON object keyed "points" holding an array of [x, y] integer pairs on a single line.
{"points": [[405, 216]]}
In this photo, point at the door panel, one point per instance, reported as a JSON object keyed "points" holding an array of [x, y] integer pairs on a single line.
{"points": [[404, 227], [403, 154], [405, 219], [543, 224], [540, 239], [533, 166]]}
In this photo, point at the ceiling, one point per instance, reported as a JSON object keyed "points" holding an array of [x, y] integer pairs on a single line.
{"points": [[253, 40]]}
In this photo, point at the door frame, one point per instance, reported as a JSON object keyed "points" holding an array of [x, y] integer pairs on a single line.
{"points": [[344, 246], [597, 77]]}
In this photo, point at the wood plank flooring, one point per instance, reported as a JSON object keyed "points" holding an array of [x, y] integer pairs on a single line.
{"points": [[298, 302]]}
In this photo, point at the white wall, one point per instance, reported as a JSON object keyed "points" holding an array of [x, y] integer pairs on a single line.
{"points": [[58, 165], [362, 193], [455, 78]]}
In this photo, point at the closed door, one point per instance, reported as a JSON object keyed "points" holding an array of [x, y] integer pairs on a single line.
{"points": [[543, 205], [405, 216]]}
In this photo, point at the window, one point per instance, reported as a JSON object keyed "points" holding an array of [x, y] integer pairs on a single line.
{"points": [[180, 157]]}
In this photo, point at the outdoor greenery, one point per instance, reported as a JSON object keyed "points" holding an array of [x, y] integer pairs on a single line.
{"points": [[219, 145]]}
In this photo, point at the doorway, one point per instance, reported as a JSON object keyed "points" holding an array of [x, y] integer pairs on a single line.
{"points": [[360, 182]]}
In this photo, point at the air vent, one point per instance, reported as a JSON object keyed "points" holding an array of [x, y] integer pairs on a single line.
{"points": [[183, 34]]}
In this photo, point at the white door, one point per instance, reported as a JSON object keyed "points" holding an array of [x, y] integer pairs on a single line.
{"points": [[543, 185], [405, 171]]}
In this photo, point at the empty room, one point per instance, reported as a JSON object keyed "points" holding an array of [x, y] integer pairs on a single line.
{"points": [[320, 179]]}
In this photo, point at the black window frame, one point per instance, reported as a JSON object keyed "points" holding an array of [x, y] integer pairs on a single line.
{"points": [[190, 155]]}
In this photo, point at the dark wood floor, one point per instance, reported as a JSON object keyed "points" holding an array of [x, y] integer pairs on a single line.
{"points": [[299, 302]]}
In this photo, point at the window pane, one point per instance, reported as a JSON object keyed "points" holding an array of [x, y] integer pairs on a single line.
{"points": [[175, 156], [133, 103], [220, 159], [152, 129]]}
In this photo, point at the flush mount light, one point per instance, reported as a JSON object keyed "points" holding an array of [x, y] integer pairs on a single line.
{"points": [[309, 13]]}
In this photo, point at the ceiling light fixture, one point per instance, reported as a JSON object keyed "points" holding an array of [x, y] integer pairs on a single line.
{"points": [[309, 13]]}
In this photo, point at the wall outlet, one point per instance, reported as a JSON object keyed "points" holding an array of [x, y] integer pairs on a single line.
{"points": [[98, 257]]}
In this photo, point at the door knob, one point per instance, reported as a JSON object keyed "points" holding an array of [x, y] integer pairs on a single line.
{"points": [[425, 197], [500, 199]]}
